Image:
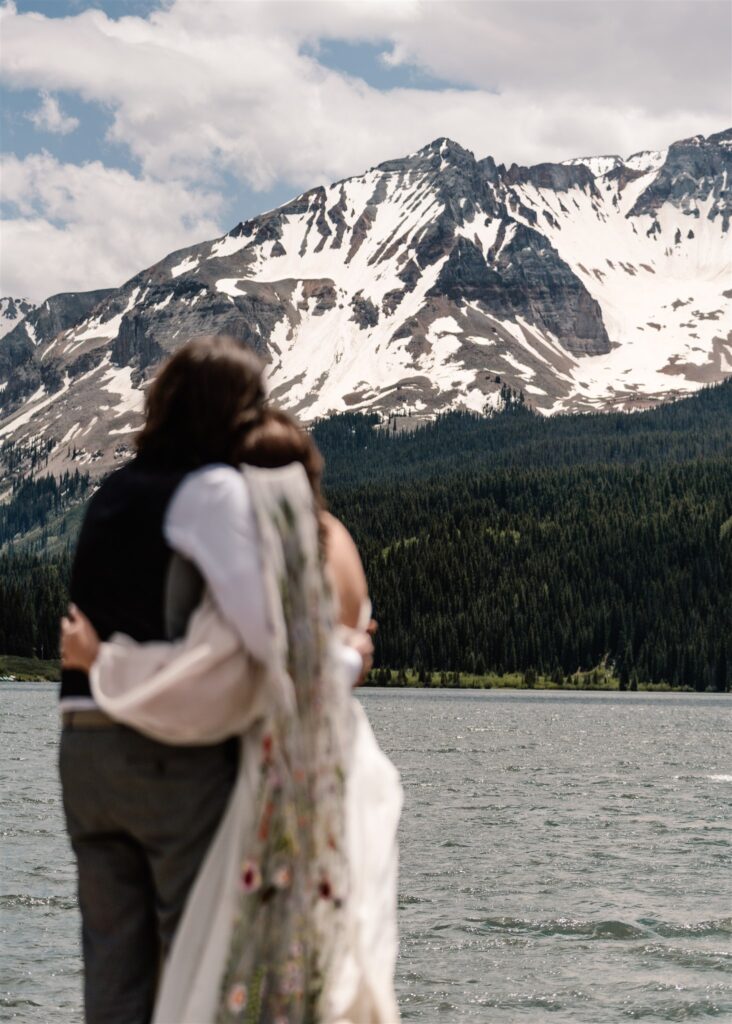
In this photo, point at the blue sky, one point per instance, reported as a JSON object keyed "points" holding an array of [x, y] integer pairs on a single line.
{"points": [[130, 128], [67, 8]]}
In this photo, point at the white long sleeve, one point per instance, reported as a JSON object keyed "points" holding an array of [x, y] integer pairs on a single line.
{"points": [[210, 521]]}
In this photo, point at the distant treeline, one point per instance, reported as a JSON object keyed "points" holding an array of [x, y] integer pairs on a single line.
{"points": [[357, 452], [33, 594], [513, 543]]}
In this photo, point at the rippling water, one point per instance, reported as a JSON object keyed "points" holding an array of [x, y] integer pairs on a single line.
{"points": [[565, 857]]}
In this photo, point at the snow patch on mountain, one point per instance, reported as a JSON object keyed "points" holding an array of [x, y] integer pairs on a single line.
{"points": [[184, 267], [118, 381], [597, 165], [32, 407], [644, 161], [12, 312]]}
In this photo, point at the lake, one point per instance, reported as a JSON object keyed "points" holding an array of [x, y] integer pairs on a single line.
{"points": [[564, 857]]}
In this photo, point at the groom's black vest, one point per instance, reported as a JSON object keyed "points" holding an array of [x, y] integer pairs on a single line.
{"points": [[119, 574]]}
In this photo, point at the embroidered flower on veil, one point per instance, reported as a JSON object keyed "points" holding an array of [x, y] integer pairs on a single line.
{"points": [[236, 1000], [282, 876], [251, 876]]}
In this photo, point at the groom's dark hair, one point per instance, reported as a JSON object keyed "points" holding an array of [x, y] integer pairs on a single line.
{"points": [[201, 404]]}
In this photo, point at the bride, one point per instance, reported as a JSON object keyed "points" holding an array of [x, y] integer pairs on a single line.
{"points": [[292, 917]]}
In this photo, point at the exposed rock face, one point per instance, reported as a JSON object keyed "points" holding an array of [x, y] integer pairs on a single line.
{"points": [[322, 292], [365, 313], [135, 344], [696, 171], [60, 311], [20, 365], [527, 275], [425, 283], [557, 177]]}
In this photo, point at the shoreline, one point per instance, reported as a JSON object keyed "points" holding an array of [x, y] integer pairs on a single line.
{"points": [[597, 680], [551, 688], [17, 669], [509, 687]]}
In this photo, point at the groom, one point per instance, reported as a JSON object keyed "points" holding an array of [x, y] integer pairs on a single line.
{"points": [[141, 814]]}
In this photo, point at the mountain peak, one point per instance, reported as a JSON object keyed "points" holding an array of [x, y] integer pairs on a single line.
{"points": [[446, 148], [426, 283], [437, 155]]}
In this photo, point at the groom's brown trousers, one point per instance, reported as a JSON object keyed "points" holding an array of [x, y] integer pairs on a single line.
{"points": [[141, 816]]}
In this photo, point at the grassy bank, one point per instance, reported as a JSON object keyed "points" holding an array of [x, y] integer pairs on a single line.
{"points": [[35, 669], [597, 679], [28, 669]]}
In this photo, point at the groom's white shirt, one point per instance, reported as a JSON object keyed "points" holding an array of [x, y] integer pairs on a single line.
{"points": [[210, 521]]}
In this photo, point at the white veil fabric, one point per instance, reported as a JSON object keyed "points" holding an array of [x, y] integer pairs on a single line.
{"points": [[293, 914]]}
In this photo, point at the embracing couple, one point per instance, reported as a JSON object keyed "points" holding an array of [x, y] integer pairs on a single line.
{"points": [[233, 819]]}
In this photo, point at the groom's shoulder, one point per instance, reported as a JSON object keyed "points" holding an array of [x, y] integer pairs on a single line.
{"points": [[112, 482], [136, 482]]}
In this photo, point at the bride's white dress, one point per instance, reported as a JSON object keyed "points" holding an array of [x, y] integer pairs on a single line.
{"points": [[204, 688]]}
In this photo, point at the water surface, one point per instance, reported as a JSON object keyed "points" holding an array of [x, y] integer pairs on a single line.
{"points": [[565, 857]]}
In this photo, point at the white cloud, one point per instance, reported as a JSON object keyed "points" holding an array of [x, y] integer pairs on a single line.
{"points": [[79, 228], [658, 56], [50, 118], [204, 86], [198, 90]]}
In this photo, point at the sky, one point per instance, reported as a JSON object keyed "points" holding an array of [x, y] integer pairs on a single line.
{"points": [[131, 128]]}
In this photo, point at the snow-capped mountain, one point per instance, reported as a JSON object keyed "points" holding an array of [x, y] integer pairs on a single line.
{"points": [[424, 284], [12, 311]]}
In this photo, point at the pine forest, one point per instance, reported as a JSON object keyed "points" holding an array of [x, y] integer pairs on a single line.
{"points": [[512, 543]]}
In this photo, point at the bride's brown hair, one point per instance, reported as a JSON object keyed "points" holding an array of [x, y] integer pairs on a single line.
{"points": [[277, 439], [202, 404]]}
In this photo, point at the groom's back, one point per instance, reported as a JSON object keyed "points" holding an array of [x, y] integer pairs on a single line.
{"points": [[122, 558]]}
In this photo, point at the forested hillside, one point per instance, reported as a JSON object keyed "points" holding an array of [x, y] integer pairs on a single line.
{"points": [[518, 543], [514, 542], [38, 501], [556, 570]]}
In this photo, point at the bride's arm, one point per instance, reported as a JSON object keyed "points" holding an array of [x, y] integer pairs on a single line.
{"points": [[211, 522], [200, 689], [346, 571], [348, 578]]}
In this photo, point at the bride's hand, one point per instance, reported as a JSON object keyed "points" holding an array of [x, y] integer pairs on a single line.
{"points": [[364, 645], [79, 641]]}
